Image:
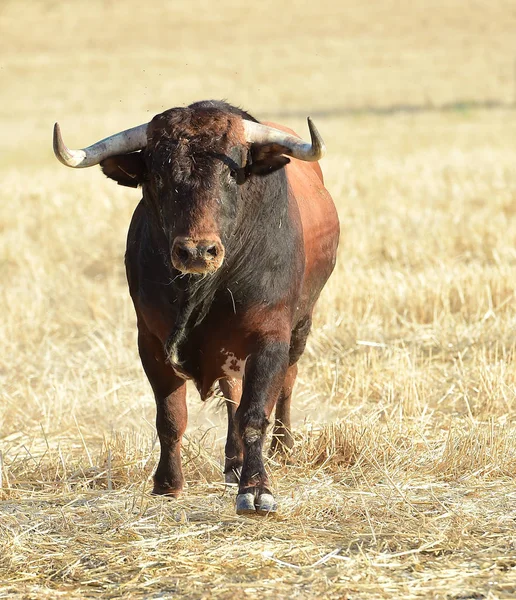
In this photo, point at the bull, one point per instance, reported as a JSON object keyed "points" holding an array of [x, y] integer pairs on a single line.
{"points": [[227, 253]]}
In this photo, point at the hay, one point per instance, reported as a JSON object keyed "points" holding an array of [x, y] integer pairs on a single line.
{"points": [[406, 517], [401, 483]]}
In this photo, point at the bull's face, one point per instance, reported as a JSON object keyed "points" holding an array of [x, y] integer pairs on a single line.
{"points": [[191, 171], [194, 165]]}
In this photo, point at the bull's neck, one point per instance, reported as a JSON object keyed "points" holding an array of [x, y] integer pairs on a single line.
{"points": [[262, 251]]}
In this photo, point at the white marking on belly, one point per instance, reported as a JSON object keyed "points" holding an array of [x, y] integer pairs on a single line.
{"points": [[233, 367]]}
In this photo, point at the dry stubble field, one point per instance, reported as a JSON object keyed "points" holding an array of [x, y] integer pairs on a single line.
{"points": [[403, 476]]}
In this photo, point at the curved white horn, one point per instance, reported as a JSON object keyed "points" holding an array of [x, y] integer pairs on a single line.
{"points": [[124, 142], [296, 147]]}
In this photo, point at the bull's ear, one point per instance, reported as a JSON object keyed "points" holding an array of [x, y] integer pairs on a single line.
{"points": [[125, 169], [267, 158]]}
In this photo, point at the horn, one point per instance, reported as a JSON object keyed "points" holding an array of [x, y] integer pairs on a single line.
{"points": [[124, 142], [262, 134]]}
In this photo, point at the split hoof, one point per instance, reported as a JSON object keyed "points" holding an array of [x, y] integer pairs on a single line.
{"points": [[255, 502]]}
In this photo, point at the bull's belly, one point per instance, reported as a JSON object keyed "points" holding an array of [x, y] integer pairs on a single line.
{"points": [[233, 367], [224, 364]]}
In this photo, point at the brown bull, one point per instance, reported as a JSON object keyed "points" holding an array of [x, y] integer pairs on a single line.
{"points": [[227, 253]]}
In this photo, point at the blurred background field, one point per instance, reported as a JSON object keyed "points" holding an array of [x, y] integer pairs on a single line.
{"points": [[403, 476]]}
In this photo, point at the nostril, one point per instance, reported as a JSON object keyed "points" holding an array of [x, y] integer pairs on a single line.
{"points": [[212, 251], [197, 256], [181, 253]]}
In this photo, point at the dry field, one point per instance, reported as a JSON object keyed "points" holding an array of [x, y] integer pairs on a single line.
{"points": [[403, 477]]}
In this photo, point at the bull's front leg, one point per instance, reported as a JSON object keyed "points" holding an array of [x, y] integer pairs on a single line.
{"points": [[171, 418], [171, 413], [264, 376]]}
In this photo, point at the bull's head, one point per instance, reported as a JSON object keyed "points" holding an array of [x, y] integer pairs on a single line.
{"points": [[191, 163]]}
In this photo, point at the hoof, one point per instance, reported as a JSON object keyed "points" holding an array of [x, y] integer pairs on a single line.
{"points": [[166, 491], [266, 505], [255, 502], [245, 504], [233, 476]]}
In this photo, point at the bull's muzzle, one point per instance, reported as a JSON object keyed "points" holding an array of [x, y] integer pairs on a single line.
{"points": [[202, 256]]}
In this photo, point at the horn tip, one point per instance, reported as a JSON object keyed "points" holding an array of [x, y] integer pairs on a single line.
{"points": [[317, 141], [57, 131], [69, 158], [58, 144], [56, 134]]}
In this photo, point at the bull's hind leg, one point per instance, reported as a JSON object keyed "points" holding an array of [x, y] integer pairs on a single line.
{"points": [[232, 390], [282, 440], [171, 414]]}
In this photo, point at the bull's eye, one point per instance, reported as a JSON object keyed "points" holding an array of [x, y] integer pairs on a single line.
{"points": [[238, 175]]}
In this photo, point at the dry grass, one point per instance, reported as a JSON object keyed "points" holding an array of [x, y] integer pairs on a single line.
{"points": [[402, 483]]}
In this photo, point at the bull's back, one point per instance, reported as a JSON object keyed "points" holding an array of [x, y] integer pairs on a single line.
{"points": [[320, 227]]}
